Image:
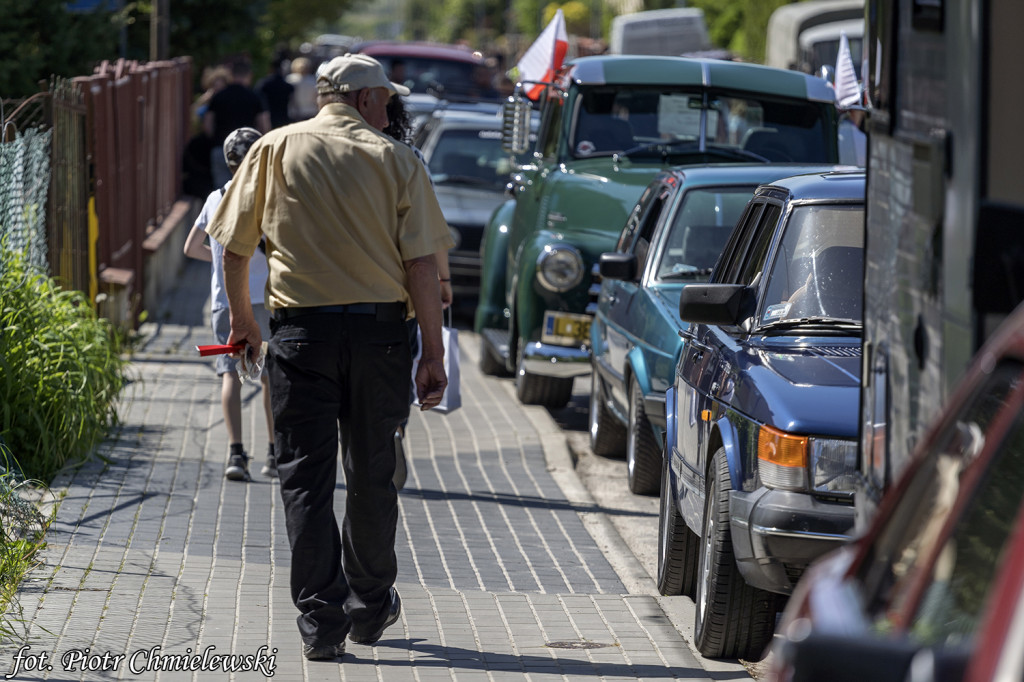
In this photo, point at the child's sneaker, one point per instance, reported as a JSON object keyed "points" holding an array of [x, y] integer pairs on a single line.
{"points": [[238, 465], [270, 468]]}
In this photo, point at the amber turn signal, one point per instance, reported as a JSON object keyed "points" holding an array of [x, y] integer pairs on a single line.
{"points": [[781, 448]]}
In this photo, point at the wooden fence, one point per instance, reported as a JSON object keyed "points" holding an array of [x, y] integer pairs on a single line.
{"points": [[115, 169]]}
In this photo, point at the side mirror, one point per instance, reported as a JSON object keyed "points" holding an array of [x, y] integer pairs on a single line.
{"points": [[718, 304], [614, 265], [515, 123]]}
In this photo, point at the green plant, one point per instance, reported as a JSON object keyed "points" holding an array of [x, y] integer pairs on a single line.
{"points": [[22, 531], [61, 370]]}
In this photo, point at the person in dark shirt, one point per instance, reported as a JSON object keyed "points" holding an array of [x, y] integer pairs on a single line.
{"points": [[276, 93], [235, 106]]}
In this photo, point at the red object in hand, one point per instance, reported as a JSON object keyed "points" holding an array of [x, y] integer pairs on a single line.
{"points": [[219, 349]]}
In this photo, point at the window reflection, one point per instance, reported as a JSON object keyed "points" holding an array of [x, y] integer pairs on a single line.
{"points": [[966, 562]]}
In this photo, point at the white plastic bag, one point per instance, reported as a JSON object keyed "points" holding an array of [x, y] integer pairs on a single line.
{"points": [[250, 372], [452, 398]]}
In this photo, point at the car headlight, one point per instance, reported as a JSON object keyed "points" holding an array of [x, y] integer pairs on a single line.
{"points": [[559, 267], [833, 465], [785, 459]]}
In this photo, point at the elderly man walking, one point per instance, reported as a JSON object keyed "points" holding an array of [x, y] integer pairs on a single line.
{"points": [[351, 226]]}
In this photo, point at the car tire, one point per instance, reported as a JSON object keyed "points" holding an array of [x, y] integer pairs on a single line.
{"points": [[643, 453], [734, 620], [535, 389], [607, 434], [677, 545]]}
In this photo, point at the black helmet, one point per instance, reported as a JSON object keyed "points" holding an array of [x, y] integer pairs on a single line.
{"points": [[236, 144]]}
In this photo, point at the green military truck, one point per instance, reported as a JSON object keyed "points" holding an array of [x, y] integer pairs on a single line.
{"points": [[608, 125]]}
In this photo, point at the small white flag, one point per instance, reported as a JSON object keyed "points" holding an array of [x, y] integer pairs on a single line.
{"points": [[544, 58], [846, 86]]}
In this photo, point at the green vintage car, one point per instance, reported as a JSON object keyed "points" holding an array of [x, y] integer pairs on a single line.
{"points": [[608, 126]]}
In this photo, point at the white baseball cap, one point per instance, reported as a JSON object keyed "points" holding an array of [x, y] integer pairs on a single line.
{"points": [[352, 72]]}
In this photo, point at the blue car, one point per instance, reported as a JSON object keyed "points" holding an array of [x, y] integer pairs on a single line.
{"points": [[672, 238], [762, 426]]}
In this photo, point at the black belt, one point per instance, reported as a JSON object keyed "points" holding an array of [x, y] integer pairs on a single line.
{"points": [[384, 312]]}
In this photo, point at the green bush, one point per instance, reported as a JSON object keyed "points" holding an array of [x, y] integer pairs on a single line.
{"points": [[61, 370]]}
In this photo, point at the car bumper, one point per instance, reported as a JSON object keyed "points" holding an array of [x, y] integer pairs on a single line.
{"points": [[545, 359], [777, 533]]}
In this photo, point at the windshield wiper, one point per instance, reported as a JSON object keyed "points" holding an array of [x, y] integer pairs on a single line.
{"points": [[840, 322], [665, 145], [736, 153], [463, 180]]}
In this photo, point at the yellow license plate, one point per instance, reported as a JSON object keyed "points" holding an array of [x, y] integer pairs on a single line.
{"points": [[565, 328]]}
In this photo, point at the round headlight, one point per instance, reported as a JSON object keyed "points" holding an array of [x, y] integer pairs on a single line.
{"points": [[559, 267]]}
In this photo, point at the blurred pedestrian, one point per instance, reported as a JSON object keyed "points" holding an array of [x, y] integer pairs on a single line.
{"points": [[276, 92], [234, 106], [214, 79], [236, 145], [352, 226], [303, 82], [197, 173]]}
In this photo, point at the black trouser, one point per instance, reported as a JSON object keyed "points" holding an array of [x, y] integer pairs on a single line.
{"points": [[326, 371]]}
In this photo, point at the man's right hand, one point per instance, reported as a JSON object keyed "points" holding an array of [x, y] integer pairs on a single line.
{"points": [[247, 332]]}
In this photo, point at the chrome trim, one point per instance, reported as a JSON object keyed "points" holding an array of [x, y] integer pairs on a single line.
{"points": [[549, 251], [556, 361], [776, 532]]}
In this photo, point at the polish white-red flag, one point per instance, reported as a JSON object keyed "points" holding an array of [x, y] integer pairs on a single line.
{"points": [[542, 61], [847, 87]]}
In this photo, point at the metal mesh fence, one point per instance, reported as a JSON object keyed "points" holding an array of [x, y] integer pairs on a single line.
{"points": [[24, 183]]}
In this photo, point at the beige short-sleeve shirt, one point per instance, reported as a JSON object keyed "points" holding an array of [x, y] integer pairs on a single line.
{"points": [[341, 205]]}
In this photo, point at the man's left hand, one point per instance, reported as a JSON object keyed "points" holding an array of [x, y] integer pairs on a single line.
{"points": [[430, 383]]}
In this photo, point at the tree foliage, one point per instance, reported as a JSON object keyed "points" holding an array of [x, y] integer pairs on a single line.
{"points": [[40, 38]]}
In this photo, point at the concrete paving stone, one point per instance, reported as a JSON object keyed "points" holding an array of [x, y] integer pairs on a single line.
{"points": [[495, 561]]}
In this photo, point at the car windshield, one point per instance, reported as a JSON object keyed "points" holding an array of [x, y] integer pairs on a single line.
{"points": [[818, 271], [667, 121], [472, 157], [700, 228]]}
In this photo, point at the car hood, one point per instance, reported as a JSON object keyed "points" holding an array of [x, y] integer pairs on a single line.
{"points": [[467, 205], [588, 202], [808, 386]]}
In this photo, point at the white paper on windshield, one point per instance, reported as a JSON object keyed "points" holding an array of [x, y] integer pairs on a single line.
{"points": [[676, 118]]}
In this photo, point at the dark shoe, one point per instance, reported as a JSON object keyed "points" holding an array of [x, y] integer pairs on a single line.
{"points": [[326, 652], [238, 467], [394, 611], [401, 468], [270, 468]]}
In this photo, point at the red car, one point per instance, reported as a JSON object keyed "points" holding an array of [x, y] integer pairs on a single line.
{"points": [[934, 590], [433, 68]]}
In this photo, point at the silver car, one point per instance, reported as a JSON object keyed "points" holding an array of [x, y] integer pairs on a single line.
{"points": [[470, 171]]}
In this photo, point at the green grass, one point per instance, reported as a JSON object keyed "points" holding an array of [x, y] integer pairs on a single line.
{"points": [[22, 534], [61, 373]]}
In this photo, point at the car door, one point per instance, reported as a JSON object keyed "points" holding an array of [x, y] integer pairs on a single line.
{"points": [[719, 348], [623, 296], [693, 379]]}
